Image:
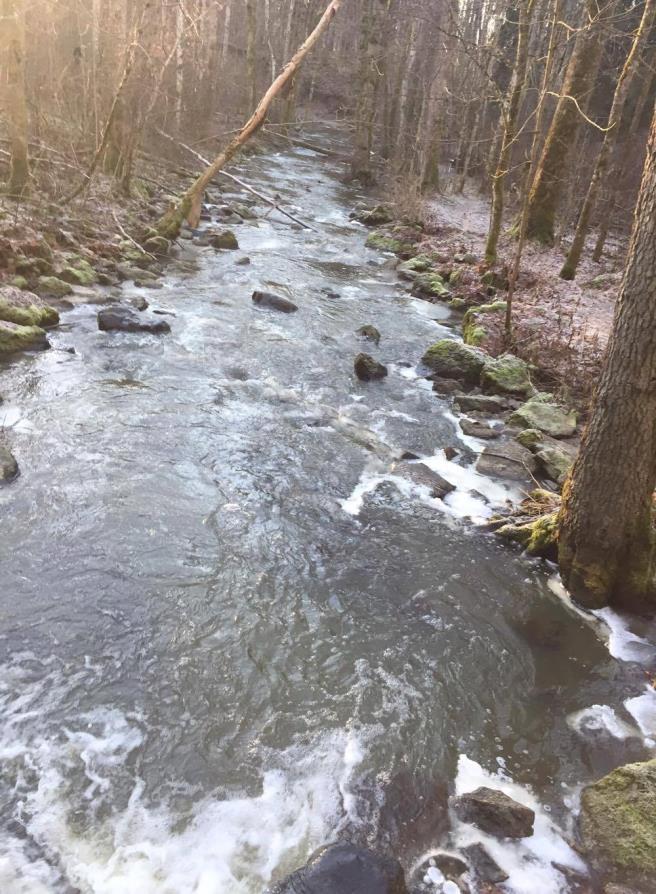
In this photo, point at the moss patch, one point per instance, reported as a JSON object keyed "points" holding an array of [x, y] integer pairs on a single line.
{"points": [[15, 338], [454, 360], [506, 375], [618, 823], [473, 328], [538, 537], [384, 241]]}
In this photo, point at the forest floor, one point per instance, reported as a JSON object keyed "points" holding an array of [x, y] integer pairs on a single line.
{"points": [[562, 327]]}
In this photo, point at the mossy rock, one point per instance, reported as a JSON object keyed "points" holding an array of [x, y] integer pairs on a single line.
{"points": [[495, 279], [454, 360], [375, 217], [506, 375], [384, 241], [80, 273], [15, 338], [618, 824], [370, 333], [413, 266], [473, 331], [554, 463], [530, 438], [431, 285], [457, 303], [51, 285], [25, 309], [32, 267], [244, 211], [19, 282], [538, 537], [541, 413], [225, 240]]}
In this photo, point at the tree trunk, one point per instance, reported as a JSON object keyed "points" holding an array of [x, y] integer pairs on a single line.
{"points": [[12, 42], [624, 84], [550, 176], [189, 205], [510, 115], [606, 549], [368, 81], [251, 58]]}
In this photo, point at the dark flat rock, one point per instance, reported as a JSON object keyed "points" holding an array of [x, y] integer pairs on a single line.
{"points": [[346, 869], [274, 302], [420, 474], [125, 319], [367, 369], [494, 812]]}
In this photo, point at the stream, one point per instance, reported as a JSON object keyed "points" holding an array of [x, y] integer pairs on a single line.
{"points": [[228, 629]]}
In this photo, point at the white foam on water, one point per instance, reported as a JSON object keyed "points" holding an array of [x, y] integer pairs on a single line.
{"points": [[12, 417], [600, 719], [476, 496], [528, 861], [225, 846], [643, 710]]}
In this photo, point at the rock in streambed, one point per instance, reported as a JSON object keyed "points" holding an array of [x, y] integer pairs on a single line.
{"points": [[494, 812], [8, 465], [125, 319], [274, 302], [345, 869], [367, 369]]}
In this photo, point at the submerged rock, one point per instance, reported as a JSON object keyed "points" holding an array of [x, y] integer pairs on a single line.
{"points": [[420, 474], [346, 869], [26, 309], [225, 240], [494, 812], [370, 333], [453, 360], [125, 319], [485, 867], [618, 824], [275, 302], [15, 338], [367, 369], [541, 413], [8, 465], [506, 375]]}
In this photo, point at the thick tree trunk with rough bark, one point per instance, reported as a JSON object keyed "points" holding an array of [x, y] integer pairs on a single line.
{"points": [[550, 176], [624, 84], [510, 115], [12, 56], [369, 78], [607, 544], [189, 206]]}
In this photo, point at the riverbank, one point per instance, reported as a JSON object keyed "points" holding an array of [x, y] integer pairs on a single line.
{"points": [[242, 622]]}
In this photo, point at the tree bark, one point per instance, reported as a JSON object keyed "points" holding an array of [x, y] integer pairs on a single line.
{"points": [[12, 43], [368, 81], [607, 545], [550, 175], [622, 89], [251, 58], [189, 205], [510, 115]]}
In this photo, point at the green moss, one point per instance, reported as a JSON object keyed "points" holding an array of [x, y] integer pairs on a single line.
{"points": [[80, 273], [618, 823], [28, 314], [454, 360], [506, 375], [530, 438], [157, 245], [457, 303], [541, 413], [51, 285], [170, 224], [473, 330], [430, 284], [538, 537], [19, 282], [383, 241], [15, 338], [410, 268]]}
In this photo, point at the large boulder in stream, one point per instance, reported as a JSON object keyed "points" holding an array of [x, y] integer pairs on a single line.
{"points": [[274, 302], [225, 240], [454, 360], [125, 319], [507, 460], [15, 338], [367, 369], [618, 825], [346, 869], [494, 812], [8, 465]]}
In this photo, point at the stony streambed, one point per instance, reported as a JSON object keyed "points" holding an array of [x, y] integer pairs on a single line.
{"points": [[239, 620]]}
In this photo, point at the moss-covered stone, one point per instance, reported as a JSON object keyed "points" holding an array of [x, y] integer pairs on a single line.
{"points": [[430, 285], [457, 303], [52, 285], [506, 375], [495, 279], [539, 537], [413, 266], [369, 332], [15, 338], [25, 309], [79, 273], [454, 360], [554, 463], [375, 217], [225, 240], [541, 413], [157, 245], [530, 438], [473, 328], [384, 241], [19, 282], [618, 824]]}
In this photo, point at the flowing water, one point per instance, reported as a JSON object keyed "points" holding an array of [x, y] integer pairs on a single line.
{"points": [[228, 629]]}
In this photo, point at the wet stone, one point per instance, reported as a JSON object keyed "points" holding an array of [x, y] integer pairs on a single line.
{"points": [[420, 474], [274, 302], [367, 369], [346, 869], [485, 867], [479, 429], [494, 812], [125, 319], [370, 333], [8, 465]]}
